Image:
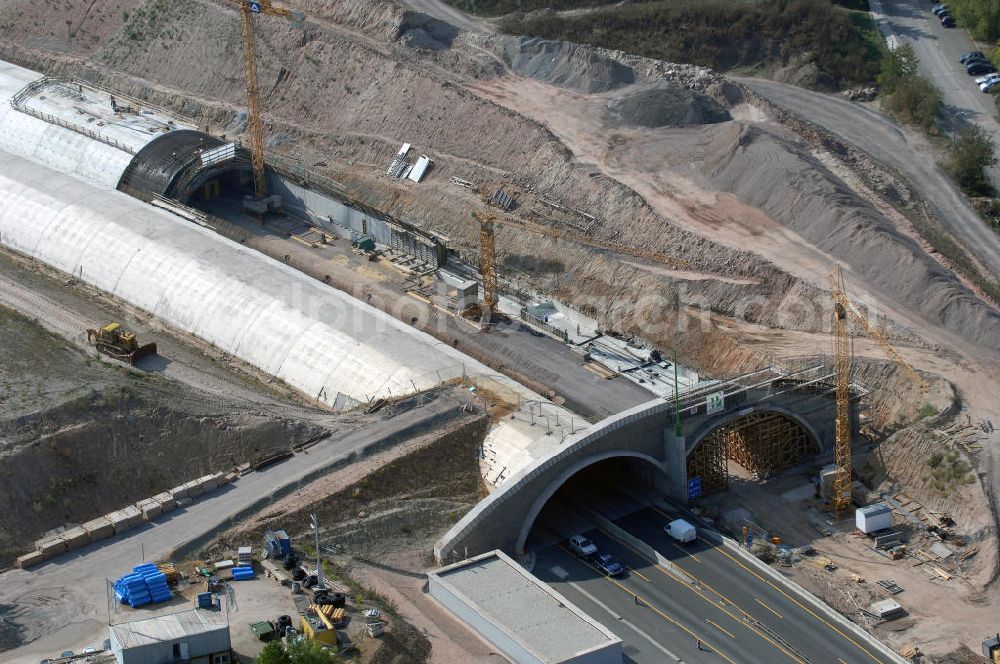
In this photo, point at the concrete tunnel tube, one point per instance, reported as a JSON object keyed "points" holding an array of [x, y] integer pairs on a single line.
{"points": [[703, 432], [539, 504]]}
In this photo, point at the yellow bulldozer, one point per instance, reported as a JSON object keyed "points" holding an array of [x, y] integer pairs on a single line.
{"points": [[115, 341]]}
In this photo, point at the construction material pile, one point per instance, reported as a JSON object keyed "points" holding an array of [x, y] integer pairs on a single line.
{"points": [[145, 585], [242, 573]]}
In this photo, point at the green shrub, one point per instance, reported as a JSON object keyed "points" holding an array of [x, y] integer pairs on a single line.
{"points": [[979, 17], [971, 154]]}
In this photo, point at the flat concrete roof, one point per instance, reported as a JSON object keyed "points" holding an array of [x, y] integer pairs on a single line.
{"points": [[542, 620], [83, 106], [168, 628]]}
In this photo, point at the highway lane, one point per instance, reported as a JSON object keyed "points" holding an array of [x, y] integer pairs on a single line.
{"points": [[666, 623], [724, 578]]}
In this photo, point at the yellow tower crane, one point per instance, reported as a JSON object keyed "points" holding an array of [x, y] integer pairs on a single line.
{"points": [[488, 263], [255, 125], [488, 257], [842, 312]]}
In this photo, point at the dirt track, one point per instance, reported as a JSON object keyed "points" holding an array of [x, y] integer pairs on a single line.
{"points": [[901, 149]]}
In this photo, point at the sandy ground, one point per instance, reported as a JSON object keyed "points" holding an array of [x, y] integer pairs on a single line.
{"points": [[402, 579], [786, 506]]}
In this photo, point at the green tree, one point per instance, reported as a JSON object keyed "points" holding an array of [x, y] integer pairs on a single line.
{"points": [[916, 101], [897, 66], [971, 154], [305, 651], [273, 653]]}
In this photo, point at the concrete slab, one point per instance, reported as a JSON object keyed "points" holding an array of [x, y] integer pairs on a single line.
{"points": [[166, 502], [52, 548], [75, 538], [29, 559], [99, 528]]}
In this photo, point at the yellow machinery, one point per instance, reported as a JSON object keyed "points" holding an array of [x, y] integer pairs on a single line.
{"points": [[842, 312], [487, 250], [488, 261], [115, 341], [255, 125], [320, 623]]}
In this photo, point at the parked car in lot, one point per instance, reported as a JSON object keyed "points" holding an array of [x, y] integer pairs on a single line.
{"points": [[988, 77], [940, 9], [971, 55], [979, 68], [989, 85], [607, 564], [947, 21], [582, 546]]}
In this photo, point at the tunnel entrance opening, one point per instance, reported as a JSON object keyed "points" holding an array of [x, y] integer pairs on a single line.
{"points": [[613, 486], [761, 444], [228, 185]]}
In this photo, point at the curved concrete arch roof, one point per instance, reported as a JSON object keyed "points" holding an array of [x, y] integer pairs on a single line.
{"points": [[314, 337], [50, 144]]}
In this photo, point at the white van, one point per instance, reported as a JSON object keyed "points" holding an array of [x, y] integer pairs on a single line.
{"points": [[681, 530]]}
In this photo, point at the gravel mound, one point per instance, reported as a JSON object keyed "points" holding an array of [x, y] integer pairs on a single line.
{"points": [[565, 64], [423, 32], [784, 180], [664, 104]]}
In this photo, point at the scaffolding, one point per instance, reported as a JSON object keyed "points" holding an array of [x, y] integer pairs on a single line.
{"points": [[763, 443]]}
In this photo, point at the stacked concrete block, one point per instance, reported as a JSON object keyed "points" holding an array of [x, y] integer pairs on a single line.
{"points": [[166, 502], [149, 508], [179, 492], [30, 559], [125, 518], [99, 528], [194, 488], [51, 548], [76, 538]]}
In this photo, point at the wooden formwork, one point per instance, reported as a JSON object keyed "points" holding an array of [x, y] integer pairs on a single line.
{"points": [[763, 443]]}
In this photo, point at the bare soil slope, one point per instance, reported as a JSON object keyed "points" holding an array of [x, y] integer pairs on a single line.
{"points": [[80, 437]]}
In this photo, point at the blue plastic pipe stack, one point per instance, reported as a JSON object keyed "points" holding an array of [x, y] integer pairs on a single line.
{"points": [[146, 584], [242, 573]]}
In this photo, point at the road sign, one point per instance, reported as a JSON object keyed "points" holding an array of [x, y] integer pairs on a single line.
{"points": [[715, 402], [694, 487], [255, 7]]}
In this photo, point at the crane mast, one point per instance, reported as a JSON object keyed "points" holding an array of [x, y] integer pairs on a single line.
{"points": [[255, 124], [843, 312], [488, 263]]}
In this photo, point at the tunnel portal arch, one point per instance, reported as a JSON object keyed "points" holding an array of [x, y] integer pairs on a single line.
{"points": [[763, 442], [657, 476]]}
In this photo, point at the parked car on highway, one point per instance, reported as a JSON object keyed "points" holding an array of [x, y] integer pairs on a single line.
{"points": [[989, 85], [582, 546], [607, 564], [947, 21], [979, 68], [971, 55]]}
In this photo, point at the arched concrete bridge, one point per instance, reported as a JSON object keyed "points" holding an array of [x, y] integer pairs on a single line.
{"points": [[764, 418]]}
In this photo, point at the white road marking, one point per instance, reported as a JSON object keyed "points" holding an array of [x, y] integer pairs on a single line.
{"points": [[621, 619]]}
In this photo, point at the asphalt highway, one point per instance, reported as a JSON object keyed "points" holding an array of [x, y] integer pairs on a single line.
{"points": [[725, 611]]}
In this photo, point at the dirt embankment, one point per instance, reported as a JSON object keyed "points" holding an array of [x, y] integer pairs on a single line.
{"points": [[80, 437], [387, 501]]}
